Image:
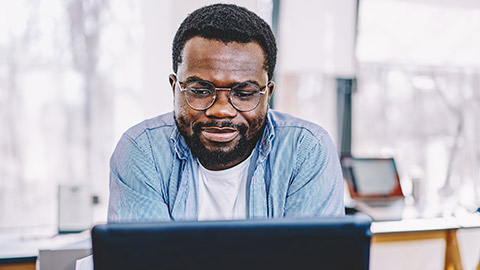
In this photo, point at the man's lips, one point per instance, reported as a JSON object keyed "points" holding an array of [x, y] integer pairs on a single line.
{"points": [[220, 134]]}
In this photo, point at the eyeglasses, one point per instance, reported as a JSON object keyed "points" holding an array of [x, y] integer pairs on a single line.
{"points": [[200, 95]]}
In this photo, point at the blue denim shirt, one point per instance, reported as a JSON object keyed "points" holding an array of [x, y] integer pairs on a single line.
{"points": [[294, 172]]}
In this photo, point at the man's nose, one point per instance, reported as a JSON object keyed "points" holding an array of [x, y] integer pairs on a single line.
{"points": [[222, 108]]}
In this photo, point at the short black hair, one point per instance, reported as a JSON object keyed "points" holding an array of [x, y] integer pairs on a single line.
{"points": [[226, 23]]}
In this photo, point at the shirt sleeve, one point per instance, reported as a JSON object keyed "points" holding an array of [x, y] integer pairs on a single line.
{"points": [[134, 185], [317, 185]]}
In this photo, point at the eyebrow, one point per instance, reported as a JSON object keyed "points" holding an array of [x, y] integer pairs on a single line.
{"points": [[196, 78]]}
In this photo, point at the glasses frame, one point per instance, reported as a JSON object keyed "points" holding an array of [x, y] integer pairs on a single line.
{"points": [[261, 91]]}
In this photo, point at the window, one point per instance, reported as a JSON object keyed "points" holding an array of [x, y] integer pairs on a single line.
{"points": [[68, 66], [418, 97]]}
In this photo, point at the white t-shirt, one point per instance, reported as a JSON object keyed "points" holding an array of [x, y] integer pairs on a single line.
{"points": [[222, 194]]}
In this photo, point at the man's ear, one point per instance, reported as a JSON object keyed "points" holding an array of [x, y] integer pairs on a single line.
{"points": [[173, 79], [270, 87]]}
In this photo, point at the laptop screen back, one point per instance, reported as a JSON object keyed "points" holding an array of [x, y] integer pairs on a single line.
{"points": [[324, 243], [372, 177]]}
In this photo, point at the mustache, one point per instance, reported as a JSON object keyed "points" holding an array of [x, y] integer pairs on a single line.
{"points": [[197, 126]]}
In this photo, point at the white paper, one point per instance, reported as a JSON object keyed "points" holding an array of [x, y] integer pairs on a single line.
{"points": [[85, 263]]}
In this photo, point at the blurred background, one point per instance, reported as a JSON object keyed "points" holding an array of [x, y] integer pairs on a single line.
{"points": [[390, 78]]}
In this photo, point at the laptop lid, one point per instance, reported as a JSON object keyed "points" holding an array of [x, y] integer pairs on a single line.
{"points": [[326, 243], [371, 178]]}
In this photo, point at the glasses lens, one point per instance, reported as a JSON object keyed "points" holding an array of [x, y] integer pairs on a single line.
{"points": [[200, 95], [245, 96]]}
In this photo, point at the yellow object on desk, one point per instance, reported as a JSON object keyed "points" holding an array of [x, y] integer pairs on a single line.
{"points": [[18, 266]]}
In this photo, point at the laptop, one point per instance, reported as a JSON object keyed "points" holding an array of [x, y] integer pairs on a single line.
{"points": [[324, 243], [374, 186]]}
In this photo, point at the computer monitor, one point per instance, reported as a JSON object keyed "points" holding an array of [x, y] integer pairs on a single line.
{"points": [[307, 243]]}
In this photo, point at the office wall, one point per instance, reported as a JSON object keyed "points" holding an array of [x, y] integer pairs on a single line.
{"points": [[317, 37], [316, 43]]}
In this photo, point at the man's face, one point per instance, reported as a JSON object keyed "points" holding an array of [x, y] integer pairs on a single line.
{"points": [[220, 136]]}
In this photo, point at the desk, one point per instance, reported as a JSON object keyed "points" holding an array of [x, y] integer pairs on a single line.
{"points": [[445, 229], [19, 251], [19, 248]]}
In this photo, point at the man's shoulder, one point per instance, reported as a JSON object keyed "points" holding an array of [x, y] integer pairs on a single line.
{"points": [[162, 123], [283, 122]]}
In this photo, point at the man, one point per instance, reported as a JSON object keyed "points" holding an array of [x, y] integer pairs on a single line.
{"points": [[222, 154]]}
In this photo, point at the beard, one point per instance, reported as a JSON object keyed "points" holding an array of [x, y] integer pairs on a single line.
{"points": [[221, 157]]}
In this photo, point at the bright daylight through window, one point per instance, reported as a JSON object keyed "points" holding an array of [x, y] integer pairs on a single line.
{"points": [[418, 98]]}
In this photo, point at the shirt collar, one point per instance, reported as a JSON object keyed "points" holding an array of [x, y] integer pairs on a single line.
{"points": [[265, 144], [179, 144]]}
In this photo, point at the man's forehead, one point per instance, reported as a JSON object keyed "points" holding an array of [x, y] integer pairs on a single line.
{"points": [[202, 45], [201, 55]]}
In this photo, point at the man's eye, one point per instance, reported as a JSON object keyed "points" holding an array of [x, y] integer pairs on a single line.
{"points": [[244, 94], [200, 91]]}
